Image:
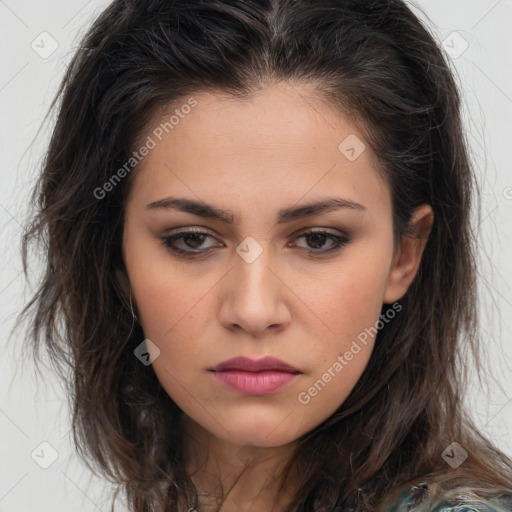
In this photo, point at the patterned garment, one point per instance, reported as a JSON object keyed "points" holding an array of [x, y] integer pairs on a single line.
{"points": [[461, 499]]}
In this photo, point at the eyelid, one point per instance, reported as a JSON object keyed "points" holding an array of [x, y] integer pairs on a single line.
{"points": [[319, 229], [197, 229], [315, 229]]}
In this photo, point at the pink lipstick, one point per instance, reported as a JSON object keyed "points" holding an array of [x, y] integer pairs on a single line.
{"points": [[254, 377]]}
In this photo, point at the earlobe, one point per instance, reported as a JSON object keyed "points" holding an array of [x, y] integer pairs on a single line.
{"points": [[407, 257]]}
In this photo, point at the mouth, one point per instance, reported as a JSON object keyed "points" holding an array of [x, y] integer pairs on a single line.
{"points": [[254, 377]]}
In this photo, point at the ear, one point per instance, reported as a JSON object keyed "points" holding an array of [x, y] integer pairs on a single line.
{"points": [[407, 257]]}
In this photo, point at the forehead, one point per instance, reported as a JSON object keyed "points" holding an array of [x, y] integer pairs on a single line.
{"points": [[275, 119], [282, 141]]}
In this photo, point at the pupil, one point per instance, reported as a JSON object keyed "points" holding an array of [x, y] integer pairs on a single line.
{"points": [[317, 237], [198, 237]]}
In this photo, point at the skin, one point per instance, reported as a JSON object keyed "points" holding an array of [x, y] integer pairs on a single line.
{"points": [[253, 157]]}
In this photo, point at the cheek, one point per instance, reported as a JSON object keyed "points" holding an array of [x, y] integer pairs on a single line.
{"points": [[163, 293], [167, 309], [350, 300], [170, 314], [349, 304], [351, 310]]}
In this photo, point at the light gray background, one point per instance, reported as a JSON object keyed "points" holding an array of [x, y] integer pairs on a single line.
{"points": [[478, 36]]}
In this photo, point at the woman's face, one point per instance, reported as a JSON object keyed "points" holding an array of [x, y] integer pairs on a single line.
{"points": [[256, 282]]}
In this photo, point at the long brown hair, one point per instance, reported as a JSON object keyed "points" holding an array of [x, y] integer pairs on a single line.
{"points": [[375, 62]]}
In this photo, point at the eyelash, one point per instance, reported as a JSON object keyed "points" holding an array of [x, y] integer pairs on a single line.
{"points": [[339, 242]]}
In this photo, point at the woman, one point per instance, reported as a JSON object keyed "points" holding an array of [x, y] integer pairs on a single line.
{"points": [[257, 217]]}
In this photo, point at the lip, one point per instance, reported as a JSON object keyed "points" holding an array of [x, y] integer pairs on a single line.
{"points": [[247, 364], [254, 383], [255, 377]]}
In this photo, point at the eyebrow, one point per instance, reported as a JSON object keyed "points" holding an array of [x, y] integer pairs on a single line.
{"points": [[284, 215]]}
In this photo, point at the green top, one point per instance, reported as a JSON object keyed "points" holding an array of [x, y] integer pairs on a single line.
{"points": [[460, 499]]}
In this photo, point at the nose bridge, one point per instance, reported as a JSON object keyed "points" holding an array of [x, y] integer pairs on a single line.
{"points": [[251, 294], [252, 275]]}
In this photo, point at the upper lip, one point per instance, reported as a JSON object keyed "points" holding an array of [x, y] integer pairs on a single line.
{"points": [[252, 365]]}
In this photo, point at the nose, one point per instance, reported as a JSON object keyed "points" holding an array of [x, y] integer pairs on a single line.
{"points": [[254, 298]]}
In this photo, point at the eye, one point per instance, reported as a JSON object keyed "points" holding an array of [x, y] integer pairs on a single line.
{"points": [[318, 238], [191, 239], [191, 242]]}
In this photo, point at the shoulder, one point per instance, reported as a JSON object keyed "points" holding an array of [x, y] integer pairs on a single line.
{"points": [[460, 499]]}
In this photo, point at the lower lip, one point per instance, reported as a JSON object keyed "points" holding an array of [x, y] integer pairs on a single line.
{"points": [[254, 383]]}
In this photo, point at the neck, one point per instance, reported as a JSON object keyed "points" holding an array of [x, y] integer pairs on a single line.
{"points": [[249, 476]]}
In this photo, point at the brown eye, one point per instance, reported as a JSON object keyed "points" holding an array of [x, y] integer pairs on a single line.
{"points": [[187, 242], [316, 240]]}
